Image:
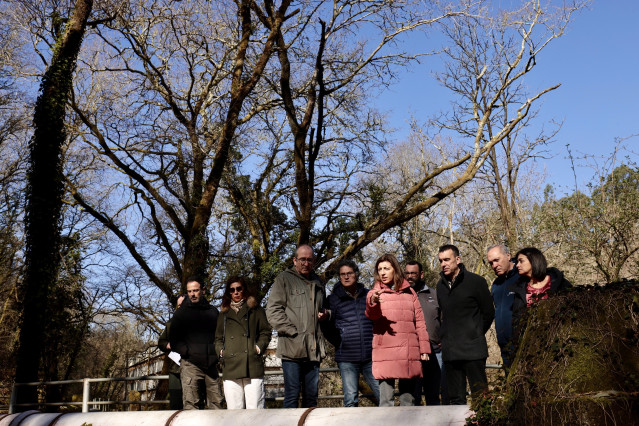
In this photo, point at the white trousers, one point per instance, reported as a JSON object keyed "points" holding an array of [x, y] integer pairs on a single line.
{"points": [[244, 393]]}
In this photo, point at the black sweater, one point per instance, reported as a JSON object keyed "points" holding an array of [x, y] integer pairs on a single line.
{"points": [[192, 334]]}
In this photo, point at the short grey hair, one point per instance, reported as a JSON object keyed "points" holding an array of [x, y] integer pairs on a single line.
{"points": [[502, 247]]}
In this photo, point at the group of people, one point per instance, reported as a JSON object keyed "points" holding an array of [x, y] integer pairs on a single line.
{"points": [[428, 340]]}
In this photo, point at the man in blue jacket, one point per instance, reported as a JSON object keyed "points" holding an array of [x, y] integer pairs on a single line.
{"points": [[499, 258], [351, 332]]}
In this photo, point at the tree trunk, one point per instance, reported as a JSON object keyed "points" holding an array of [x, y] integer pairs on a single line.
{"points": [[44, 198]]}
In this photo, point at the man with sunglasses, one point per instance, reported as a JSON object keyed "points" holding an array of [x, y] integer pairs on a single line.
{"points": [[295, 308]]}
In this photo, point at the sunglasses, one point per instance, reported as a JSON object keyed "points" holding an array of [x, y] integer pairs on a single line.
{"points": [[235, 290]]}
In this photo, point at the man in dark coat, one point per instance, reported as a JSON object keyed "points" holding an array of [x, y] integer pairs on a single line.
{"points": [[434, 381], [467, 314], [499, 258], [192, 335]]}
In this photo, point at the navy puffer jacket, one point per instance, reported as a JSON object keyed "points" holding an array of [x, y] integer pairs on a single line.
{"points": [[352, 331]]}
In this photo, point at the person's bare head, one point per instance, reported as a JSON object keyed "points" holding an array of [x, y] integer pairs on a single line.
{"points": [[414, 272], [194, 289], [304, 260], [449, 260], [499, 259]]}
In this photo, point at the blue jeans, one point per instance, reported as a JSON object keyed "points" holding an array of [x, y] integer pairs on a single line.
{"points": [[300, 375], [350, 372]]}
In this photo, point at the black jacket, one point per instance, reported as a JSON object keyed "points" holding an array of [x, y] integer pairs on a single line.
{"points": [[192, 334], [467, 313], [557, 283]]}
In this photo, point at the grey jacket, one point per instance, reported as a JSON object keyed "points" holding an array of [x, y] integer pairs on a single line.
{"points": [[292, 310], [428, 300]]}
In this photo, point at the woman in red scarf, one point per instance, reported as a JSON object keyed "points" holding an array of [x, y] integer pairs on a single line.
{"points": [[537, 282]]}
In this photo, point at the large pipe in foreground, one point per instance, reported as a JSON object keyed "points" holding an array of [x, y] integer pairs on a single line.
{"points": [[375, 416]]}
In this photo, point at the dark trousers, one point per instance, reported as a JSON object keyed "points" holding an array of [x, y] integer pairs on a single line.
{"points": [[433, 383], [175, 392], [458, 372]]}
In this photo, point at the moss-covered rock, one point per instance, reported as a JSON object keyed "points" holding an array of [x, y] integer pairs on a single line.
{"points": [[577, 362]]}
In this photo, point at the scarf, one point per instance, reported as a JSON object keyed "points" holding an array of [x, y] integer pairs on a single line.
{"points": [[236, 306]]}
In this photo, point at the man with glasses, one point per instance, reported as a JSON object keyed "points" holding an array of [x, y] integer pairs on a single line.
{"points": [[351, 332], [295, 308], [433, 381]]}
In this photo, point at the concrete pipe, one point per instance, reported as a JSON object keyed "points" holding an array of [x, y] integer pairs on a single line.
{"points": [[382, 416]]}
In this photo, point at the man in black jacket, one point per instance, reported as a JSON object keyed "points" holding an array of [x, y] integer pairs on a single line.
{"points": [[192, 335], [434, 381], [467, 313]]}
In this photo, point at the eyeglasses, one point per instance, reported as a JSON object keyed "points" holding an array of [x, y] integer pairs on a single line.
{"points": [[235, 289], [412, 273], [346, 274], [305, 259]]}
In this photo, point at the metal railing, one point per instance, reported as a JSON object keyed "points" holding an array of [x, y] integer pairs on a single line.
{"points": [[86, 390]]}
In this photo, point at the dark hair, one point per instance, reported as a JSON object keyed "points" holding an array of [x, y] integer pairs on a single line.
{"points": [[537, 261], [197, 279], [226, 298], [414, 262], [350, 263], [398, 276], [449, 247]]}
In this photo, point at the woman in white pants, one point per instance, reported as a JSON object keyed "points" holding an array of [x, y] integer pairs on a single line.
{"points": [[241, 338]]}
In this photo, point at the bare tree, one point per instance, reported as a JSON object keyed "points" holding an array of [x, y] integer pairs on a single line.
{"points": [[300, 186], [480, 82], [189, 72]]}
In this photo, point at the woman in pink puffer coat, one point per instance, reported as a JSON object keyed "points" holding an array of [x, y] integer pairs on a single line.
{"points": [[400, 339]]}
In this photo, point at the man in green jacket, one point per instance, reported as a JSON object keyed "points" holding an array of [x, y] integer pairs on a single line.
{"points": [[294, 309]]}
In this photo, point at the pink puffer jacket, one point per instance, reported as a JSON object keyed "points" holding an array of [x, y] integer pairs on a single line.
{"points": [[399, 333]]}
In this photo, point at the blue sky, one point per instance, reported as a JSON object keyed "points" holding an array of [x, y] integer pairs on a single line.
{"points": [[597, 64]]}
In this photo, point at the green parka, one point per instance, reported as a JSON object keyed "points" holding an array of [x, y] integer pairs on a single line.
{"points": [[245, 330], [292, 310]]}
